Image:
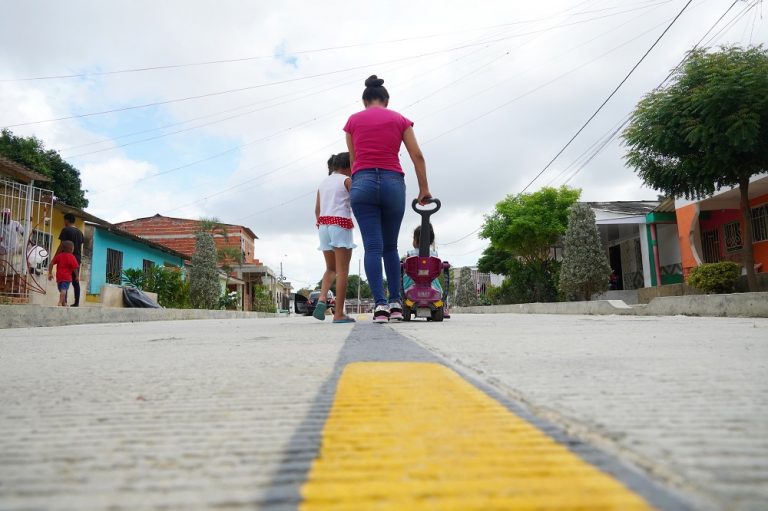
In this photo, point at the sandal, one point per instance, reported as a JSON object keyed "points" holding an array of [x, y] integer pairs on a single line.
{"points": [[345, 319], [319, 312]]}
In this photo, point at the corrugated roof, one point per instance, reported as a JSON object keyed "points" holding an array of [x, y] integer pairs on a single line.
{"points": [[627, 207], [20, 172]]}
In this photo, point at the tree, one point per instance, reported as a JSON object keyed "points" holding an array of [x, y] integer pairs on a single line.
{"points": [[204, 289], [585, 269], [31, 152], [526, 226], [365, 289], [466, 291], [708, 129], [522, 231]]}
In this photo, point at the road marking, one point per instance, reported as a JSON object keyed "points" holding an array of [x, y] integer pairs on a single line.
{"points": [[416, 436]]}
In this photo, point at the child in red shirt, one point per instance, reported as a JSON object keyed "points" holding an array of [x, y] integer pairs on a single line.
{"points": [[66, 264]]}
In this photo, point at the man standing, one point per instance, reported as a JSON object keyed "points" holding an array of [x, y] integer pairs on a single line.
{"points": [[73, 234]]}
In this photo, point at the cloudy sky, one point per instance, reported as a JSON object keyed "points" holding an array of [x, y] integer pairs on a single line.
{"points": [[246, 100]]}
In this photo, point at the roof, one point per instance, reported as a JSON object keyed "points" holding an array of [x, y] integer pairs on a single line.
{"points": [[634, 208], [20, 172], [158, 215], [103, 224]]}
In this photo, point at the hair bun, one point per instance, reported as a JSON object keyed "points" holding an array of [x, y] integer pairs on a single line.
{"points": [[374, 81]]}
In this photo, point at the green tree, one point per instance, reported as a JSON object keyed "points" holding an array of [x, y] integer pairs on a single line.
{"points": [[352, 280], [204, 289], [527, 225], [466, 291], [31, 152], [522, 230], [706, 130], [171, 288], [585, 269]]}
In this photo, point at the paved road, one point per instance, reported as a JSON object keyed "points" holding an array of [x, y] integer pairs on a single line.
{"points": [[230, 414]]}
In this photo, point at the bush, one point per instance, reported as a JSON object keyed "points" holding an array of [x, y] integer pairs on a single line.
{"points": [[715, 277], [585, 269], [172, 290], [262, 299], [229, 301], [204, 289]]}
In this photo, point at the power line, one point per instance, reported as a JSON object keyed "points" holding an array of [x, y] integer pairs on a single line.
{"points": [[527, 93], [273, 55], [303, 78], [615, 90], [618, 130]]}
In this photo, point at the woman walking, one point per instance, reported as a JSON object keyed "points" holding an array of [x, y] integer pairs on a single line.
{"points": [[377, 194]]}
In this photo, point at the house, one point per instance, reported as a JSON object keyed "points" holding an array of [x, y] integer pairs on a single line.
{"points": [[179, 234], [712, 229], [640, 238]]}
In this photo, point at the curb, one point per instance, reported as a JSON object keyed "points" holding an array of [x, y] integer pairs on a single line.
{"points": [[749, 305], [24, 316]]}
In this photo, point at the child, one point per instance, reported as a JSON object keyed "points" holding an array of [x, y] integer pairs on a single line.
{"points": [[407, 281], [334, 223], [66, 264]]}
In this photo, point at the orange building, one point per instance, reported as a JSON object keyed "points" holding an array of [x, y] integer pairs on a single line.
{"points": [[712, 229]]}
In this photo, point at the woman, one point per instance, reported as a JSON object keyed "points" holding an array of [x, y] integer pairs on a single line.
{"points": [[378, 189]]}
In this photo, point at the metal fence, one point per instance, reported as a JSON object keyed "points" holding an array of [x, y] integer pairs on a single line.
{"points": [[25, 238]]}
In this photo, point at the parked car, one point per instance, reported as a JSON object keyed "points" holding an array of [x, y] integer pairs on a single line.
{"points": [[312, 301]]}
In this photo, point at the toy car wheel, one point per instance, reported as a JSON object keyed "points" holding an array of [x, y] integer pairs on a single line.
{"points": [[437, 314], [406, 313]]}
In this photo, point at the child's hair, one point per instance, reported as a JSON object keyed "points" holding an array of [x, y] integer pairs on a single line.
{"points": [[374, 90], [341, 161], [67, 246], [417, 235], [331, 164], [69, 217]]}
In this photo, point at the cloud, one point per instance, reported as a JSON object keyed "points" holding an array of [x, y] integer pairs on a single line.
{"points": [[483, 86]]}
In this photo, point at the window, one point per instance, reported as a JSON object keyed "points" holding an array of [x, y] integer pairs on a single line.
{"points": [[732, 232], [148, 265], [114, 266], [710, 244], [760, 223]]}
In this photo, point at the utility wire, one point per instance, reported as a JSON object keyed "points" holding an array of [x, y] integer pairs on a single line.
{"points": [[308, 77], [273, 55], [680, 64], [605, 102]]}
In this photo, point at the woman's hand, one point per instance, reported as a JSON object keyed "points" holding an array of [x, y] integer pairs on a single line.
{"points": [[424, 195]]}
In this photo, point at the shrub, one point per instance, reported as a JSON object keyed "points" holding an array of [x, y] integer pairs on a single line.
{"points": [[172, 290], [262, 299], [715, 277]]}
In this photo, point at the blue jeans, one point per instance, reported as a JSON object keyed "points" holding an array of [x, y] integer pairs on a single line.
{"points": [[378, 201]]}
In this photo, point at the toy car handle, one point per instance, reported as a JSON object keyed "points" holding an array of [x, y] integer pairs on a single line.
{"points": [[425, 214]]}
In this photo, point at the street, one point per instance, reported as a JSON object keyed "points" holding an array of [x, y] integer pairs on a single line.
{"points": [[496, 411]]}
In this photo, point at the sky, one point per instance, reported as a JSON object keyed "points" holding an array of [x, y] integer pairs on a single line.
{"points": [[230, 109]]}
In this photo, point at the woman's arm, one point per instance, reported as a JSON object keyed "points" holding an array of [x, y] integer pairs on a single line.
{"points": [[317, 207], [417, 157], [350, 148]]}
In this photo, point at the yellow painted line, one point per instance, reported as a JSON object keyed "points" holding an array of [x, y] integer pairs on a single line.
{"points": [[416, 436]]}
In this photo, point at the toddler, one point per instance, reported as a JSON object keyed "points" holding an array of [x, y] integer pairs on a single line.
{"points": [[66, 265]]}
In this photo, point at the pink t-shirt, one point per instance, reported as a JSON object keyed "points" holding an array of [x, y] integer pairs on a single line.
{"points": [[376, 136]]}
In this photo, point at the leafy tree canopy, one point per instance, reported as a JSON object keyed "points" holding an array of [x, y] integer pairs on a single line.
{"points": [[30, 152], [525, 226], [706, 130]]}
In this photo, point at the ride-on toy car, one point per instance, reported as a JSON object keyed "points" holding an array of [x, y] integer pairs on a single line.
{"points": [[422, 300]]}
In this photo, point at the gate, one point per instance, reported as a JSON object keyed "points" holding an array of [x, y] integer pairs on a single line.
{"points": [[25, 238]]}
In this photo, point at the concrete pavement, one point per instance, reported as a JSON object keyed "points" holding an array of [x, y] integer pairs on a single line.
{"points": [[230, 414]]}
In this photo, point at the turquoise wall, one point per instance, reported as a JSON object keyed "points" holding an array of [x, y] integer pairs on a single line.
{"points": [[134, 254]]}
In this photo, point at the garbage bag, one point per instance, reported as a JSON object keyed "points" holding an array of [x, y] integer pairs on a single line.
{"points": [[133, 297]]}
